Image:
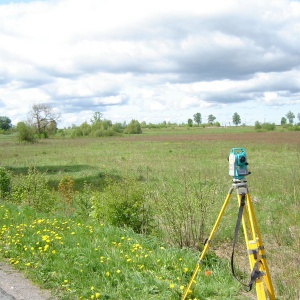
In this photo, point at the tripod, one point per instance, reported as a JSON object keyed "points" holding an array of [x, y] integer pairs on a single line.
{"points": [[260, 276]]}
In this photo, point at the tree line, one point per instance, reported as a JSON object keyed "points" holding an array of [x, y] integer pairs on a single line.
{"points": [[43, 119], [236, 119]]}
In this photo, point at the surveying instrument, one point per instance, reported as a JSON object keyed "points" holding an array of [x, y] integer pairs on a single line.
{"points": [[260, 276]]}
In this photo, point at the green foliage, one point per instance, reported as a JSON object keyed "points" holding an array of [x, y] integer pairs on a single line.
{"points": [[197, 118], [83, 201], [5, 182], [236, 119], [134, 127], [283, 121], [124, 204], [182, 209], [290, 116], [264, 126], [33, 190], [25, 133], [5, 123], [211, 119], [118, 127], [104, 132], [190, 123], [85, 129], [76, 132], [66, 189]]}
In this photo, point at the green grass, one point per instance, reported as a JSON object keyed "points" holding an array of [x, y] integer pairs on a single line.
{"points": [[86, 260], [160, 160]]}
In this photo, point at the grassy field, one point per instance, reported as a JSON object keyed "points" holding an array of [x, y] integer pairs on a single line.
{"points": [[184, 175]]}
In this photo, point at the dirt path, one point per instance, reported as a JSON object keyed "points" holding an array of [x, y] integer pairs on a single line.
{"points": [[14, 286]]}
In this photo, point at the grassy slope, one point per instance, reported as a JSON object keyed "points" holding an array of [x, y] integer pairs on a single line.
{"points": [[274, 162]]}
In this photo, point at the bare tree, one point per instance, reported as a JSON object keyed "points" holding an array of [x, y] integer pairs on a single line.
{"points": [[42, 118]]}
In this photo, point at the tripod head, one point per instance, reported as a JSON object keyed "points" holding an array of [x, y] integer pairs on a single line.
{"points": [[238, 163]]}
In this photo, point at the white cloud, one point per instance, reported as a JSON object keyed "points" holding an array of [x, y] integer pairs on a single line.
{"points": [[153, 60]]}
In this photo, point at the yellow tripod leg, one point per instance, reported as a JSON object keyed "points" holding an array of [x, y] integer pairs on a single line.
{"points": [[188, 288], [255, 249], [254, 245]]}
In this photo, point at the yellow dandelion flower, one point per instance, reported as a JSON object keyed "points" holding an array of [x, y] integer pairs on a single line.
{"points": [[171, 286]]}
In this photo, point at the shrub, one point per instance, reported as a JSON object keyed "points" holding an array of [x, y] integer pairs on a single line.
{"points": [[25, 133], [134, 127], [269, 126], [66, 188], [124, 204], [264, 126], [76, 132], [5, 182], [34, 191], [182, 209]]}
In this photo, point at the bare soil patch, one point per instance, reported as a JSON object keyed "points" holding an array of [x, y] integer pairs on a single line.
{"points": [[257, 137]]}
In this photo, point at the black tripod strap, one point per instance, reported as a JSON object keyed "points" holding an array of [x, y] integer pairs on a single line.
{"points": [[256, 273]]}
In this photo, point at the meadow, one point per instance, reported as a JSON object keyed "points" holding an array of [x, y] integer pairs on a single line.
{"points": [[92, 242]]}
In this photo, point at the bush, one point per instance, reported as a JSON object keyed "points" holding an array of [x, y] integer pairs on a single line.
{"points": [[182, 209], [76, 132], [265, 126], [5, 182], [34, 191], [25, 133], [134, 127], [269, 126], [124, 204]]}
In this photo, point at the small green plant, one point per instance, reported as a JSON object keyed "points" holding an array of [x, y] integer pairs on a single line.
{"points": [[124, 204], [83, 201], [66, 188], [5, 182]]}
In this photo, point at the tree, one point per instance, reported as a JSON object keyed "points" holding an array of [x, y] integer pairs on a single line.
{"points": [[41, 117], [5, 123], [236, 119], [211, 119], [190, 122], [134, 127], [283, 121], [197, 118], [290, 116], [97, 117], [298, 116]]}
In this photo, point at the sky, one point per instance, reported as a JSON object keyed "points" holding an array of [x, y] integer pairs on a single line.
{"points": [[151, 61]]}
